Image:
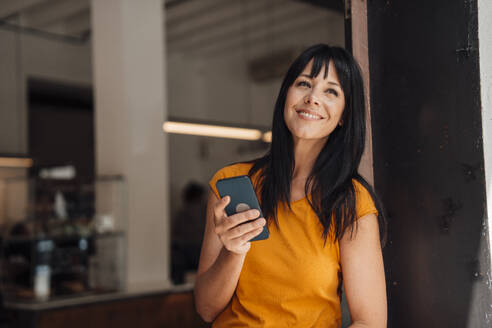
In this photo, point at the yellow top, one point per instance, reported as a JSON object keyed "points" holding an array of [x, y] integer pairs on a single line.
{"points": [[290, 279]]}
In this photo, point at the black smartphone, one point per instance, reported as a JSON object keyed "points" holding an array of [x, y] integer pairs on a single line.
{"points": [[243, 198]]}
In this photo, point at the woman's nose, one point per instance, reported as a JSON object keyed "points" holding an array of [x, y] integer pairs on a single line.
{"points": [[311, 99]]}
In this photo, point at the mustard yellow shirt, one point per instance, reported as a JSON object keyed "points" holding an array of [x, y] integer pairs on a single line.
{"points": [[292, 278]]}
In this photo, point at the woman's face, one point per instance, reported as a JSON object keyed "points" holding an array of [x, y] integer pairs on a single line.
{"points": [[314, 106]]}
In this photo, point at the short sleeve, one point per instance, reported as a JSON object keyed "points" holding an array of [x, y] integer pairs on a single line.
{"points": [[228, 172], [220, 174], [364, 202]]}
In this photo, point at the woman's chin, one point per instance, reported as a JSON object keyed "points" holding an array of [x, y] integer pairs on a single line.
{"points": [[308, 137]]}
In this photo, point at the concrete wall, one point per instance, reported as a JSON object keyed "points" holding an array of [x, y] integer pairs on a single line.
{"points": [[129, 69], [481, 308]]}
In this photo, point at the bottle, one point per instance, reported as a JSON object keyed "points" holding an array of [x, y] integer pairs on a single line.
{"points": [[42, 279], [42, 271]]}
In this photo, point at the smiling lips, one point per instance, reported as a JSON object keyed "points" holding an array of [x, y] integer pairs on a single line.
{"points": [[308, 115]]}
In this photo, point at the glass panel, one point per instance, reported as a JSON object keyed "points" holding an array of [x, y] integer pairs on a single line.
{"points": [[65, 237]]}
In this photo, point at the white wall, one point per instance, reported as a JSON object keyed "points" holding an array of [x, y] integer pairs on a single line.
{"points": [[129, 69], [478, 308], [485, 37]]}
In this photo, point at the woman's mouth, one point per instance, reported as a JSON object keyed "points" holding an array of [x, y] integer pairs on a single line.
{"points": [[305, 115]]}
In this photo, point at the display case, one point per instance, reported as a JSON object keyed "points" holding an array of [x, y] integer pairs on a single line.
{"points": [[62, 237]]}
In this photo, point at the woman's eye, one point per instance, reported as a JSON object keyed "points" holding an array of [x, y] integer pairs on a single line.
{"points": [[303, 84], [332, 91]]}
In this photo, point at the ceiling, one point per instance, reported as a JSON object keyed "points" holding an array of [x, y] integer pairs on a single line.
{"points": [[190, 24], [63, 17]]}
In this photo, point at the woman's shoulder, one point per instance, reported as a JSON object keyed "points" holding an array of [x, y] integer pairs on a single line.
{"points": [[364, 202], [359, 187], [233, 170]]}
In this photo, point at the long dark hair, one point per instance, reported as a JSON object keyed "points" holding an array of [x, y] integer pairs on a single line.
{"points": [[334, 199]]}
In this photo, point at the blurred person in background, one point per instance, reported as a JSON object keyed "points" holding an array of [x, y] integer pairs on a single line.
{"points": [[187, 229]]}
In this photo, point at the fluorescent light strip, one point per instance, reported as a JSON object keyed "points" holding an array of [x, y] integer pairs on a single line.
{"points": [[15, 162], [212, 130], [267, 136]]}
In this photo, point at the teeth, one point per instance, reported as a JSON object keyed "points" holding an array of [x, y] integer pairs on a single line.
{"points": [[309, 115]]}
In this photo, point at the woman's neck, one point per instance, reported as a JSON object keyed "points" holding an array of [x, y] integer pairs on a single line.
{"points": [[305, 154]]}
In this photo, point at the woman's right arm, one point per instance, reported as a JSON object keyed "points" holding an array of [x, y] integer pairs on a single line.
{"points": [[224, 248]]}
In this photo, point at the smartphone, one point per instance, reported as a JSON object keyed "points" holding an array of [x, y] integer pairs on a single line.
{"points": [[243, 198]]}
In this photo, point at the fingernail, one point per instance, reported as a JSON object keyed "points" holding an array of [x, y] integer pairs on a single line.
{"points": [[261, 221], [256, 213]]}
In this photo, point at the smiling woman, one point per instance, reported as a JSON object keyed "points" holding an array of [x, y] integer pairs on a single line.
{"points": [[324, 219], [317, 99]]}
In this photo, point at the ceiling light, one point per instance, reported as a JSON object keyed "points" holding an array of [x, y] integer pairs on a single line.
{"points": [[15, 162], [267, 136], [212, 130]]}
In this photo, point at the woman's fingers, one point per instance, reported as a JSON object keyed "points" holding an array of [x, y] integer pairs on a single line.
{"points": [[219, 208], [246, 228], [238, 218], [245, 238], [235, 231]]}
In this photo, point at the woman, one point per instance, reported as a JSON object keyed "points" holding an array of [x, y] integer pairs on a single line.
{"points": [[323, 217]]}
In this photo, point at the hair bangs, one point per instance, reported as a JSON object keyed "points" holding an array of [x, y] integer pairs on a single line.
{"points": [[320, 61]]}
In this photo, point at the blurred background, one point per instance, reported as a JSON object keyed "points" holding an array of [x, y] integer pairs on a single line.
{"points": [[97, 202]]}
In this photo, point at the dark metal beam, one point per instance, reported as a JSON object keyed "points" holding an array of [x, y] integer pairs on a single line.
{"points": [[337, 5]]}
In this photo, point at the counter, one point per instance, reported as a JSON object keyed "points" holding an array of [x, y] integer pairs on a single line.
{"points": [[141, 306]]}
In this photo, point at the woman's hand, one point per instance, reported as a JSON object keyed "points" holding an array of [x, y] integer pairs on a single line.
{"points": [[225, 244], [232, 231]]}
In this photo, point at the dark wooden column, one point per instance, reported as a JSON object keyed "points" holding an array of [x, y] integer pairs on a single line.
{"points": [[428, 161]]}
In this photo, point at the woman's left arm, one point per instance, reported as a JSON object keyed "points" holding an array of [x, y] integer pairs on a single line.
{"points": [[363, 274]]}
